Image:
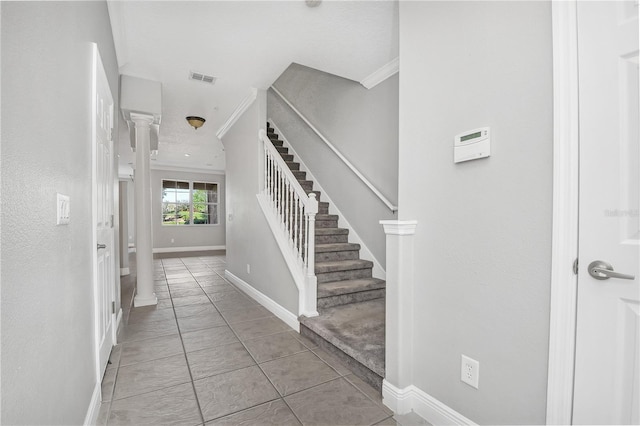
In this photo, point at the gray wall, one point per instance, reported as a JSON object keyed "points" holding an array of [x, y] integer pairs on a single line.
{"points": [[48, 362], [362, 124], [131, 192], [129, 212], [483, 241], [186, 236], [249, 238]]}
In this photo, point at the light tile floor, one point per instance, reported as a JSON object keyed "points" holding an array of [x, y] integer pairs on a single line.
{"points": [[208, 354]]}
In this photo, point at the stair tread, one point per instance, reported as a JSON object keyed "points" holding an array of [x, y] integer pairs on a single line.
{"points": [[342, 265], [321, 216], [337, 288], [331, 231], [357, 329], [333, 247]]}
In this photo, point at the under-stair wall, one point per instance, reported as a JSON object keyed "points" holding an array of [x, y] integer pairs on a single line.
{"points": [[254, 260], [362, 124]]}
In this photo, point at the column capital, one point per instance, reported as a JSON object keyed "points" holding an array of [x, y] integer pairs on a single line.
{"points": [[399, 227], [141, 120]]}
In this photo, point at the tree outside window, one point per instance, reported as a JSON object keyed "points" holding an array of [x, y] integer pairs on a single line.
{"points": [[189, 203], [205, 203]]}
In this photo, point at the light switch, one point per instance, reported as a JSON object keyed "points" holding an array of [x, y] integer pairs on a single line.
{"points": [[63, 210]]}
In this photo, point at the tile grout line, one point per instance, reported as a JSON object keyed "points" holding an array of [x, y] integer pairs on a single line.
{"points": [[184, 352], [340, 375], [209, 297], [282, 397], [183, 349], [256, 364], [113, 390], [117, 367]]}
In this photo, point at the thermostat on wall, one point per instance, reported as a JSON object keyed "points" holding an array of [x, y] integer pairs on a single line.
{"points": [[472, 145]]}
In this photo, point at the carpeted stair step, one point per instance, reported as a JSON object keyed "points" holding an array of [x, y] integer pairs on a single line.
{"points": [[293, 165], [307, 185], [339, 270], [299, 174], [326, 221], [355, 334], [350, 301], [338, 251], [331, 235], [323, 208], [336, 293]]}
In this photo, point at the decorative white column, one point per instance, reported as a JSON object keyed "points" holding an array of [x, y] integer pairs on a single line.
{"points": [[124, 227], [144, 247], [399, 314]]}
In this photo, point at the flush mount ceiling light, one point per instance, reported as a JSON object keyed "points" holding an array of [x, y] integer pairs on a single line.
{"points": [[196, 122]]}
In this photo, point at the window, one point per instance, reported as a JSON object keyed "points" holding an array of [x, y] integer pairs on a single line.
{"points": [[205, 203], [189, 203]]}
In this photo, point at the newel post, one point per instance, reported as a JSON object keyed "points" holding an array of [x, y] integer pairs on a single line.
{"points": [[399, 312], [311, 292]]}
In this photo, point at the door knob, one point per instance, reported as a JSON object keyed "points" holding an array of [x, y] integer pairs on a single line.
{"points": [[601, 270], [102, 246]]}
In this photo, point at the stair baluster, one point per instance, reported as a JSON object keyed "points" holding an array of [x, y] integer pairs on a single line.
{"points": [[295, 212], [336, 280]]}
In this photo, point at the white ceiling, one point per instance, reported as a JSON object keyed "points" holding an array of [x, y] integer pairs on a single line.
{"points": [[245, 45]]}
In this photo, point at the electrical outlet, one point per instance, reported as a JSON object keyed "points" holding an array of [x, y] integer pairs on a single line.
{"points": [[469, 371], [248, 268], [63, 210]]}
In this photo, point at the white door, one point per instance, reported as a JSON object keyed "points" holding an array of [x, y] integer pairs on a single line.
{"points": [[103, 213], [608, 313]]}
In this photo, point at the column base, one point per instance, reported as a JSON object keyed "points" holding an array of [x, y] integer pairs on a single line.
{"points": [[144, 301]]}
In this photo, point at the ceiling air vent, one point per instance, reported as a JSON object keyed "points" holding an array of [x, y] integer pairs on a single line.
{"points": [[202, 77]]}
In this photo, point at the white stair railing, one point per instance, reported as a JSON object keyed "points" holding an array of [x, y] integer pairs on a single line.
{"points": [[295, 212], [333, 148]]}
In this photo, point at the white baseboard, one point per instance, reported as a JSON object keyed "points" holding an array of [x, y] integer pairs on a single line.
{"points": [[94, 406], [124, 271], [290, 319], [403, 401], [181, 249]]}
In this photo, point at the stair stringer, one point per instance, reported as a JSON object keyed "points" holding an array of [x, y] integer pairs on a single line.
{"points": [[307, 286], [378, 271]]}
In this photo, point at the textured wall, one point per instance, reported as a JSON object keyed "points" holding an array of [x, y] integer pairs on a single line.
{"points": [[483, 241], [186, 236], [362, 124], [249, 238], [48, 364]]}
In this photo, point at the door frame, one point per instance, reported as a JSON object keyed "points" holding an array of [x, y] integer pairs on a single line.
{"points": [[563, 302]]}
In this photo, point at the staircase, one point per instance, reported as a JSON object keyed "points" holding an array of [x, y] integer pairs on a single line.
{"points": [[350, 301]]}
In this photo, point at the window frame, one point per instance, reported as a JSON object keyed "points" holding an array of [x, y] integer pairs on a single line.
{"points": [[191, 189]]}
